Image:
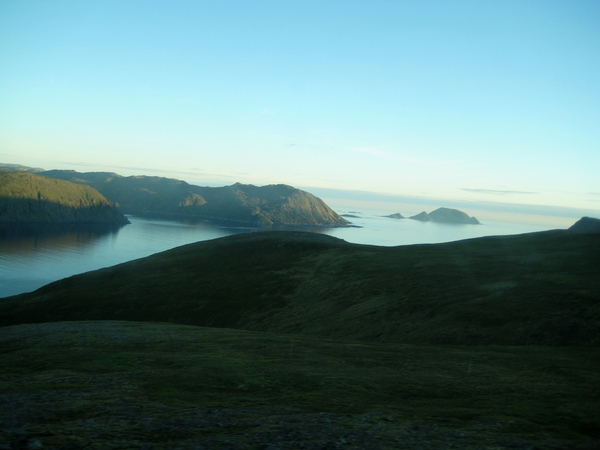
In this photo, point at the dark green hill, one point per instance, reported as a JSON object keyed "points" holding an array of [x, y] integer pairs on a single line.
{"points": [[29, 198], [586, 225], [266, 205], [446, 215], [538, 288]]}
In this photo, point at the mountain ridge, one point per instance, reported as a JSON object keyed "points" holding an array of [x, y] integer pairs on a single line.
{"points": [[259, 205]]}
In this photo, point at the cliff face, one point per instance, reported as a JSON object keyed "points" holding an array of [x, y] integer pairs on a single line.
{"points": [[273, 204], [266, 205], [29, 198]]}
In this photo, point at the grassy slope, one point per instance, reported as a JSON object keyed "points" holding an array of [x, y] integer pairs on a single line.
{"points": [[126, 384], [26, 197], [28, 186], [540, 288]]}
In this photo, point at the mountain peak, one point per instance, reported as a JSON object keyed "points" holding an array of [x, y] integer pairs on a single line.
{"points": [[586, 225]]}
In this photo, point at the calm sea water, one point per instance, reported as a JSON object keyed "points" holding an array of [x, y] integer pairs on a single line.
{"points": [[31, 258]]}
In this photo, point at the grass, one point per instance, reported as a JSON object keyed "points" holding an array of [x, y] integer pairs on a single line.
{"points": [[538, 394]]}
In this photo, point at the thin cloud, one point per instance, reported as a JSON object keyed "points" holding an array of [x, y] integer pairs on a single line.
{"points": [[403, 158], [498, 191], [593, 197], [372, 151], [312, 146]]}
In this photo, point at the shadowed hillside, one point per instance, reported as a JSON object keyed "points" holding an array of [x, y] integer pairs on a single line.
{"points": [[266, 205], [586, 225], [538, 288], [29, 198]]}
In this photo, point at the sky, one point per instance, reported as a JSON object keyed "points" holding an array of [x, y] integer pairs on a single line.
{"points": [[491, 102]]}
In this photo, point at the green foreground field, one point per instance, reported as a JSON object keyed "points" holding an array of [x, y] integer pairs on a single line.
{"points": [[111, 384]]}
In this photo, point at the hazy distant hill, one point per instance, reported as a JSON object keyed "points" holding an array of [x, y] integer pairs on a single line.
{"points": [[538, 288], [26, 197], [395, 216], [19, 168], [445, 215], [266, 205]]}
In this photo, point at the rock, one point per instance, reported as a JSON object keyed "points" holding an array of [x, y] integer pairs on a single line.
{"points": [[395, 216]]}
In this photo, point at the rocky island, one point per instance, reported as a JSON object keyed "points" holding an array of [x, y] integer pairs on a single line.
{"points": [[397, 216], [446, 215]]}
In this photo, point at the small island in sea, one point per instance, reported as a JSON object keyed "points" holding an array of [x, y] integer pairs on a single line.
{"points": [[446, 215], [395, 216], [440, 215]]}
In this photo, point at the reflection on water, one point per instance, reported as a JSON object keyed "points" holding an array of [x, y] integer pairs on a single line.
{"points": [[33, 256], [32, 238]]}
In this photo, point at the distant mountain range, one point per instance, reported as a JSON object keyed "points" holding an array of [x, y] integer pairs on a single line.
{"points": [[159, 196], [29, 198], [19, 168], [266, 205]]}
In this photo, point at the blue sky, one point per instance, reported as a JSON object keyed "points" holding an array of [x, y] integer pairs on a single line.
{"points": [[483, 101]]}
